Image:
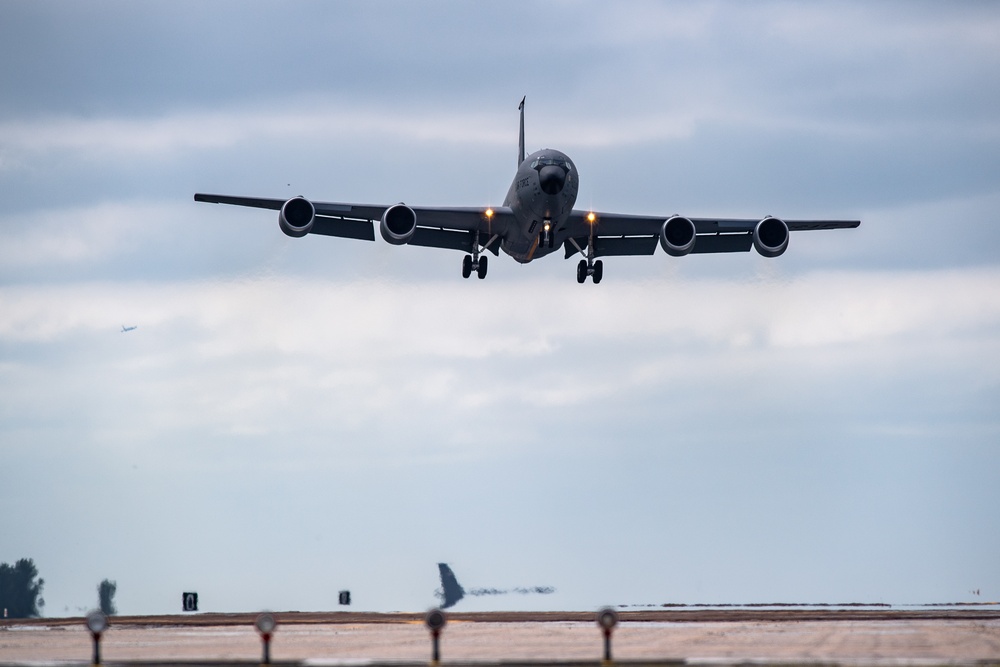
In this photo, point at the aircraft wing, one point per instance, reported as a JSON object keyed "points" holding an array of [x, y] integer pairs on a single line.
{"points": [[437, 227], [620, 234]]}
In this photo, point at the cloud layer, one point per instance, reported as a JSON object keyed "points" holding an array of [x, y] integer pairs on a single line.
{"points": [[293, 417]]}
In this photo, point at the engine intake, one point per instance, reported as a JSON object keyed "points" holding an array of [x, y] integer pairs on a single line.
{"points": [[296, 216], [677, 236], [398, 224], [770, 237]]}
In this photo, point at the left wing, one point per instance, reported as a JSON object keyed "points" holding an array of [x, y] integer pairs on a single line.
{"points": [[434, 227], [620, 234]]}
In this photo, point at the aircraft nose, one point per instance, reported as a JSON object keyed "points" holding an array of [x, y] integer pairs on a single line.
{"points": [[552, 179]]}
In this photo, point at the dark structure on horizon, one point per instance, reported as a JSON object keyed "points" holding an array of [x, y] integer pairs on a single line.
{"points": [[451, 591]]}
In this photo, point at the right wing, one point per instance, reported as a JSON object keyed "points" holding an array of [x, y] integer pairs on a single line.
{"points": [[436, 227], [623, 234]]}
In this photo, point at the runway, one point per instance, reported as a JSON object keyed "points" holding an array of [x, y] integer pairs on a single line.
{"points": [[966, 636]]}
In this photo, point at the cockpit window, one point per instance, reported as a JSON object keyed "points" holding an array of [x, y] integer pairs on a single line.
{"points": [[538, 163]]}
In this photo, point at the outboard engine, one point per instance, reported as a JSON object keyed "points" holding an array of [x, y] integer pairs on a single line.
{"points": [[770, 237], [398, 224], [677, 236], [296, 216]]}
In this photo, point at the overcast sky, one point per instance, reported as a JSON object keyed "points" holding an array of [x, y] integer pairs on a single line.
{"points": [[293, 417]]}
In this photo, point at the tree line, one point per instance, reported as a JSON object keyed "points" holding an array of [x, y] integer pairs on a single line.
{"points": [[21, 591]]}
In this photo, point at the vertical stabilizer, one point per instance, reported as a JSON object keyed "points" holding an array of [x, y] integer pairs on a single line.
{"points": [[451, 590], [520, 141]]}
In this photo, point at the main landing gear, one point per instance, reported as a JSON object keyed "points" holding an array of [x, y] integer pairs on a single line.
{"points": [[588, 267], [478, 265], [475, 261]]}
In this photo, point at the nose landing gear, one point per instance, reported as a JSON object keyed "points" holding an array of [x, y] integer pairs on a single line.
{"points": [[548, 238]]}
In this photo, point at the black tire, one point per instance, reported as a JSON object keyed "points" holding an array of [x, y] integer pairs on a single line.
{"points": [[483, 265], [467, 266], [598, 271], [581, 271]]}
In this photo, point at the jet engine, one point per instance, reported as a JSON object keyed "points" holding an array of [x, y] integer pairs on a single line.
{"points": [[296, 216], [677, 236], [770, 237], [398, 224]]}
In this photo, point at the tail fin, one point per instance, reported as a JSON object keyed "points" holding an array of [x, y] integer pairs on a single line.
{"points": [[451, 590], [520, 142]]}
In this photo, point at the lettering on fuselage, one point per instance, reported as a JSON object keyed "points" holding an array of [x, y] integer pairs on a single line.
{"points": [[523, 182]]}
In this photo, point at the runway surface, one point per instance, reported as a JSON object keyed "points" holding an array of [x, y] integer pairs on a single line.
{"points": [[825, 636]]}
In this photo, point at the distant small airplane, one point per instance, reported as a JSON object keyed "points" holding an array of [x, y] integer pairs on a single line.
{"points": [[125, 328], [451, 591], [536, 219]]}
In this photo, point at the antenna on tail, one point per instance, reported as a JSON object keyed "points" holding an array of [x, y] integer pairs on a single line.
{"points": [[520, 142]]}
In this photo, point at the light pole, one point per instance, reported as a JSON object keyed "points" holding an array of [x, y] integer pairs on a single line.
{"points": [[97, 623], [266, 624], [607, 618], [435, 621]]}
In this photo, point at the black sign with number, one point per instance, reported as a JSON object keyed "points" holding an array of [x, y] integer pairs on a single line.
{"points": [[190, 601]]}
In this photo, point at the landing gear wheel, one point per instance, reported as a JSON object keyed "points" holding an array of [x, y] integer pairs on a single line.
{"points": [[598, 271], [581, 271], [467, 266], [481, 269]]}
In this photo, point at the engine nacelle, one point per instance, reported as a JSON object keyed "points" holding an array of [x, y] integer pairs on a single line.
{"points": [[677, 236], [296, 216], [770, 237], [398, 224]]}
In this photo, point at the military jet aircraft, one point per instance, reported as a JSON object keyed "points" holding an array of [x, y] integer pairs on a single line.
{"points": [[536, 219], [451, 591]]}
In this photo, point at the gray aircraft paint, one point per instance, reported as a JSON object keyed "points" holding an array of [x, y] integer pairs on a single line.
{"points": [[537, 217], [451, 592]]}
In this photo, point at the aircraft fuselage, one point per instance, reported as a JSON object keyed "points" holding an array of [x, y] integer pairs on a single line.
{"points": [[541, 198], [537, 217]]}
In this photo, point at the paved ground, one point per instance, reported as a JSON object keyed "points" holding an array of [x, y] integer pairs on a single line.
{"points": [[883, 638]]}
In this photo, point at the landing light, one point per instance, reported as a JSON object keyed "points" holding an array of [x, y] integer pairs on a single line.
{"points": [[489, 213], [591, 217], [547, 226]]}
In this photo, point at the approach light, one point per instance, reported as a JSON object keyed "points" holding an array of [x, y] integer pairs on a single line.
{"points": [[435, 621], [265, 624], [607, 618], [97, 622]]}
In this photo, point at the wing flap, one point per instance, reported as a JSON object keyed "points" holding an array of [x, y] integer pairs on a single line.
{"points": [[709, 243], [449, 239], [605, 246], [442, 238], [362, 230]]}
